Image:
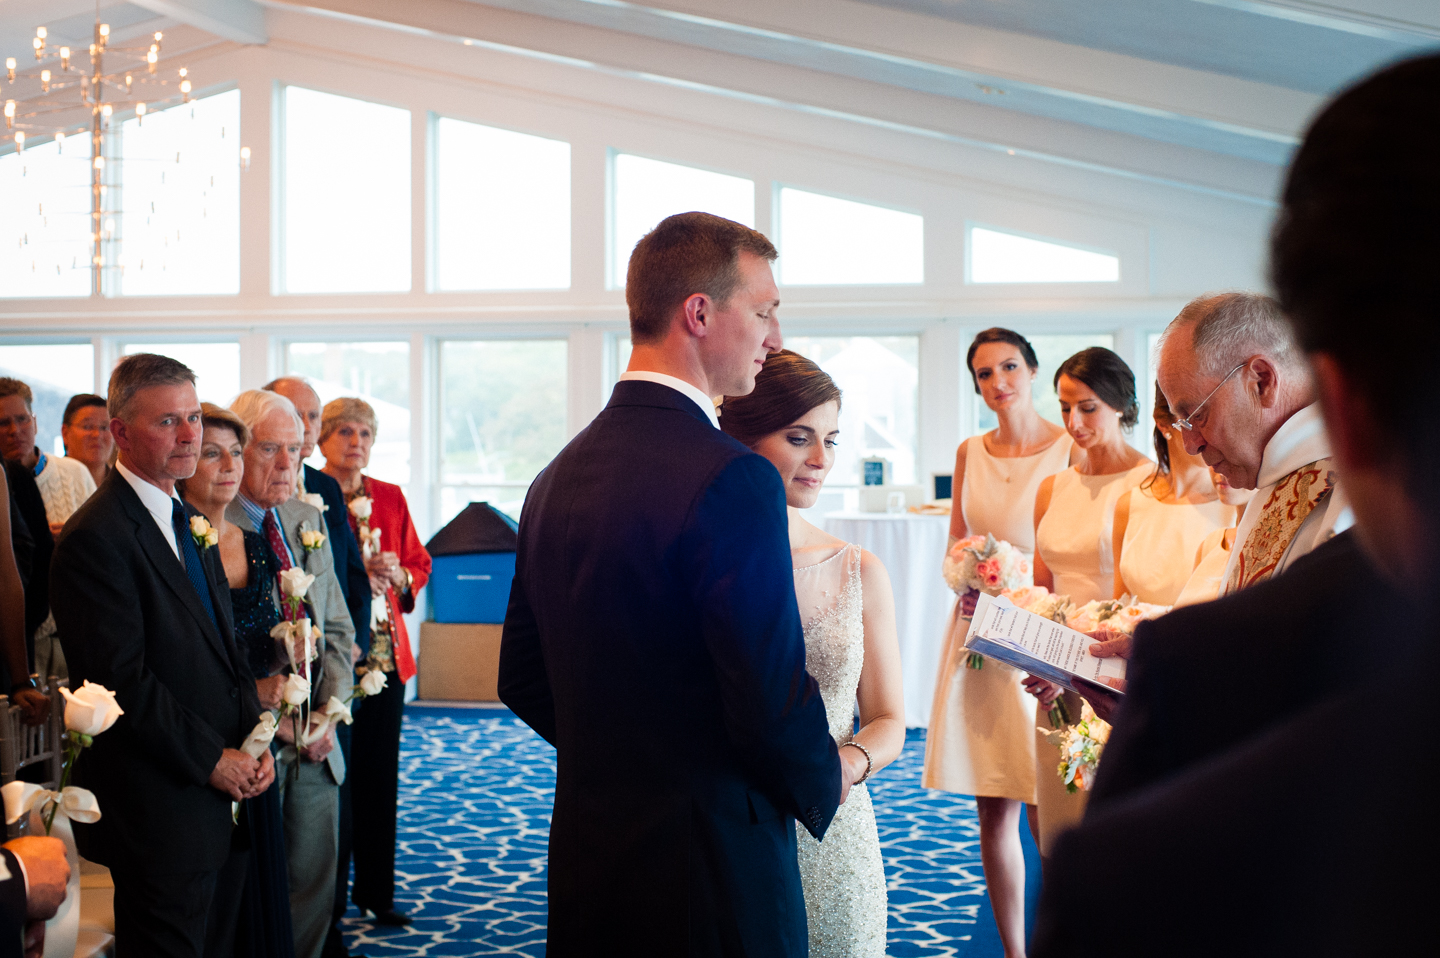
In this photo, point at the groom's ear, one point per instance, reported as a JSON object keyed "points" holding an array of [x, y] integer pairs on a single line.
{"points": [[696, 313]]}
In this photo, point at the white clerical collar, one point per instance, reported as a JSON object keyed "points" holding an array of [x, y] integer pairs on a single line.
{"points": [[1300, 440], [688, 390]]}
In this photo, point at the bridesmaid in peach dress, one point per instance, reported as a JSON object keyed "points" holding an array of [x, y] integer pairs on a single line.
{"points": [[1074, 514], [981, 739]]}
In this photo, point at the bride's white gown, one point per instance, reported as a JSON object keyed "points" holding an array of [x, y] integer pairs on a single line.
{"points": [[843, 877]]}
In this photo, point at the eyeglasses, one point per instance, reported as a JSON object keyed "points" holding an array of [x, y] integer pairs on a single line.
{"points": [[1188, 422]]}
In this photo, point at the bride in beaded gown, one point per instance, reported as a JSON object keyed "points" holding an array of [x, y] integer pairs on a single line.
{"points": [[851, 649]]}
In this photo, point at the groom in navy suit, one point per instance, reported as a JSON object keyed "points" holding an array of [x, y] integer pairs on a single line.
{"points": [[653, 636]]}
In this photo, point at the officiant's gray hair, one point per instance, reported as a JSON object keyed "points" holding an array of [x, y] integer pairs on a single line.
{"points": [[141, 371], [1229, 328], [253, 405]]}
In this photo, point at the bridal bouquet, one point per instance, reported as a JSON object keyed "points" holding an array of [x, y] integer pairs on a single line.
{"points": [[978, 564], [1080, 747]]}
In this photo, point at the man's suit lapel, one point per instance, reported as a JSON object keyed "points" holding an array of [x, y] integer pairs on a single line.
{"points": [[170, 569]]}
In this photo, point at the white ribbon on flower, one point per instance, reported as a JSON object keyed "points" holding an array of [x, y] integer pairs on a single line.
{"points": [[257, 743], [75, 803], [335, 712]]}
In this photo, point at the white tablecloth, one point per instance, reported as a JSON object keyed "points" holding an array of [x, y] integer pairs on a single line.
{"points": [[911, 548]]}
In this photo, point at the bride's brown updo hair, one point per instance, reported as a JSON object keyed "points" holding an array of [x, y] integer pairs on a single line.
{"points": [[786, 388]]}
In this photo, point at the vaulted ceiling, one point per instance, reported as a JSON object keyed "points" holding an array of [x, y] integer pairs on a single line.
{"points": [[1123, 84]]}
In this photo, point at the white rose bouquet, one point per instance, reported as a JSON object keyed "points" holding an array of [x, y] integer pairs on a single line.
{"points": [[89, 711]]}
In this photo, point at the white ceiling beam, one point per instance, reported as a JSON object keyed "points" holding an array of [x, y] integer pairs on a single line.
{"points": [[242, 21], [1402, 21]]}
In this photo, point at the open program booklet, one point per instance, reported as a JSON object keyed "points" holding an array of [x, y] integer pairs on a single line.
{"points": [[1037, 645]]}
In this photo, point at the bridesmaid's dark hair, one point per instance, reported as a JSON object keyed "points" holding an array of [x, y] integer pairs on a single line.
{"points": [[999, 334], [786, 388], [1161, 414], [1105, 373]]}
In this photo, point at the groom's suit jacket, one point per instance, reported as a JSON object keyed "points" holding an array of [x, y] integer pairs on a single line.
{"points": [[332, 673], [134, 623], [653, 638]]}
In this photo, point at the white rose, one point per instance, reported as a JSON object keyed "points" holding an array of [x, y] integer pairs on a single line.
{"points": [[198, 525], [372, 682], [360, 507], [295, 581], [296, 691], [314, 499], [91, 710], [312, 539], [258, 741]]}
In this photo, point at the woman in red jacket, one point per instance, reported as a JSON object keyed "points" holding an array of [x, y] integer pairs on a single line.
{"points": [[399, 566]]}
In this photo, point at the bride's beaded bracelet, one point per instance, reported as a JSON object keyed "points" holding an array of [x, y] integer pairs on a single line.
{"points": [[869, 762]]}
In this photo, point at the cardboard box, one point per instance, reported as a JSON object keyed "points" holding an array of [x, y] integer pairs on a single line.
{"points": [[459, 662]]}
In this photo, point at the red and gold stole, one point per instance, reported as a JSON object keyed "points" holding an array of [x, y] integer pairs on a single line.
{"points": [[1285, 509]]}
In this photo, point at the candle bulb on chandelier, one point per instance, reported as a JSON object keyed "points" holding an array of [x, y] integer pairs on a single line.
{"points": [[244, 158], [60, 141], [64, 58], [10, 69], [99, 163], [128, 80], [44, 81], [140, 113], [20, 141], [39, 42], [152, 58], [158, 37], [185, 90], [10, 114]]}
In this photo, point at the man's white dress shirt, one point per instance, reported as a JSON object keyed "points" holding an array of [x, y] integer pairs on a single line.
{"points": [[157, 503]]}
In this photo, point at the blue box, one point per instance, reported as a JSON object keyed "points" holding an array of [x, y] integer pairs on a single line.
{"points": [[471, 588]]}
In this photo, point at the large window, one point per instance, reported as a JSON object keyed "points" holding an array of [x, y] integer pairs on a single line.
{"points": [[378, 373], [829, 241], [54, 373], [345, 200], [880, 379], [502, 209], [993, 256], [1051, 351], [45, 246], [646, 191], [502, 408], [179, 227], [216, 366]]}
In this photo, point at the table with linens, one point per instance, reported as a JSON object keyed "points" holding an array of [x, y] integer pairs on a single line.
{"points": [[911, 547]]}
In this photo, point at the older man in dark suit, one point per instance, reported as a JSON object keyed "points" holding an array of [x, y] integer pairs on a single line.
{"points": [[1281, 812], [146, 613], [653, 635]]}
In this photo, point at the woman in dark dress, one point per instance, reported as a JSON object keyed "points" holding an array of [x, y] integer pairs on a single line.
{"points": [[264, 930]]}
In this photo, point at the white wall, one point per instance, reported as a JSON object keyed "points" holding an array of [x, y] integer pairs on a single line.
{"points": [[1174, 242]]}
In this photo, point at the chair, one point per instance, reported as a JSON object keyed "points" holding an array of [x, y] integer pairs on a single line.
{"points": [[24, 746]]}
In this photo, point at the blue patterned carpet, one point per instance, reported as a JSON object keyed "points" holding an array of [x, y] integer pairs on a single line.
{"points": [[475, 793]]}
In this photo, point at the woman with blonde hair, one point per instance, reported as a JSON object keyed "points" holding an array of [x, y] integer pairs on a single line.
{"points": [[399, 567]]}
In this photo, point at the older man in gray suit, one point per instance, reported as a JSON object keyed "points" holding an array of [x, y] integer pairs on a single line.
{"points": [[310, 775]]}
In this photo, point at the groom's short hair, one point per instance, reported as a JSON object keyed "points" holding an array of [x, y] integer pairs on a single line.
{"points": [[141, 371], [685, 254]]}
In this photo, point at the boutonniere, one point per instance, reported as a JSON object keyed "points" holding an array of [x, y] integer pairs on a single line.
{"points": [[360, 507], [314, 499], [203, 533], [311, 539]]}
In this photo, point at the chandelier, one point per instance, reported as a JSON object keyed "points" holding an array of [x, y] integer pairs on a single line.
{"points": [[56, 97]]}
